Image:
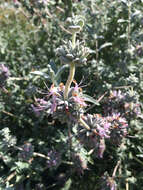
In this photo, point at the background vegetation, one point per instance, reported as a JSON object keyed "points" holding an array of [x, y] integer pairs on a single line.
{"points": [[30, 32]]}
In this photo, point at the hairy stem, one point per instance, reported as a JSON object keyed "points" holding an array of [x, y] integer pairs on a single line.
{"points": [[70, 140], [73, 40], [72, 71], [69, 81], [115, 169], [129, 23]]}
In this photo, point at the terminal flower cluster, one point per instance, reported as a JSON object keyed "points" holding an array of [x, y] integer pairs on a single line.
{"points": [[55, 105], [77, 54]]}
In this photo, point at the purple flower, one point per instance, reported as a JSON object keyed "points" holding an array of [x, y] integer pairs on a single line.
{"points": [[36, 110], [41, 105], [54, 103], [103, 132], [41, 101], [108, 182], [116, 94], [4, 69], [27, 152], [80, 101], [54, 92], [54, 159], [4, 74]]}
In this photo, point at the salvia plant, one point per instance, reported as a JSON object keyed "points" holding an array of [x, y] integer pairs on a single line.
{"points": [[53, 135], [87, 134]]}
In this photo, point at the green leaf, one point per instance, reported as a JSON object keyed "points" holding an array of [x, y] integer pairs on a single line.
{"points": [[59, 72], [67, 185], [88, 98], [53, 66], [22, 166], [122, 20], [105, 45], [140, 155], [19, 178], [40, 74]]}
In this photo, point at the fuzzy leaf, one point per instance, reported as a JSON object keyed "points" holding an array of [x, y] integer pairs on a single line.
{"points": [[105, 45], [88, 98], [53, 66], [59, 72], [67, 185], [40, 74]]}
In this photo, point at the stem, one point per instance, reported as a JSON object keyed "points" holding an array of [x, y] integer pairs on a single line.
{"points": [[139, 161], [115, 169], [127, 184], [129, 23], [70, 140], [12, 175], [84, 124], [8, 113], [97, 54], [69, 81], [72, 71], [73, 40]]}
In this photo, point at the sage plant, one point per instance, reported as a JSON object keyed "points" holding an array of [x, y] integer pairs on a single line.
{"points": [[67, 104]]}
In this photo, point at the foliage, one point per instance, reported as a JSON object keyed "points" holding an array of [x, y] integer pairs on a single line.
{"points": [[50, 149]]}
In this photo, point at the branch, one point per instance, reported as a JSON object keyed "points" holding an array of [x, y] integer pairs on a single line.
{"points": [[12, 175], [115, 169]]}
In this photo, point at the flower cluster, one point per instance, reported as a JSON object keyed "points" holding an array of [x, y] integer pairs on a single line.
{"points": [[77, 54], [4, 74], [108, 183], [54, 159], [98, 125], [125, 103], [55, 105], [118, 128], [27, 152], [101, 128]]}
